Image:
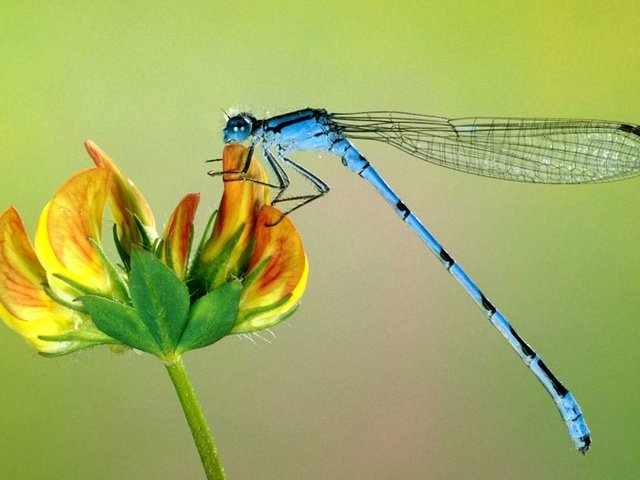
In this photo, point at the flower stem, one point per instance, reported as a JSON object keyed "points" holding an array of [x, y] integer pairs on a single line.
{"points": [[195, 418]]}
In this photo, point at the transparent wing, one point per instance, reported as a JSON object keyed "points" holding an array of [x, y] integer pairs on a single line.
{"points": [[521, 149]]}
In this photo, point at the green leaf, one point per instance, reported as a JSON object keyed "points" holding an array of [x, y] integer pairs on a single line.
{"points": [[122, 323], [212, 317], [159, 297]]}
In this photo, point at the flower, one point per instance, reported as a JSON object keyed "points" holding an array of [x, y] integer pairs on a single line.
{"points": [[25, 305], [64, 294], [128, 207], [253, 240], [272, 288], [228, 249]]}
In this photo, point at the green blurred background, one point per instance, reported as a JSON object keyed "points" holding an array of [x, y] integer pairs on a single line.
{"points": [[388, 371]]}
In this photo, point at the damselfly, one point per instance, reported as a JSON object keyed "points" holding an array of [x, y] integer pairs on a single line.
{"points": [[521, 149]]}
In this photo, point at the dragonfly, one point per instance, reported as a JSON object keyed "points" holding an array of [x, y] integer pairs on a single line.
{"points": [[537, 150]]}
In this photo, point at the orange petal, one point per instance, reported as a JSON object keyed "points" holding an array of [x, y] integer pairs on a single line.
{"points": [[239, 207], [125, 201], [178, 234], [67, 224], [24, 305], [283, 278]]}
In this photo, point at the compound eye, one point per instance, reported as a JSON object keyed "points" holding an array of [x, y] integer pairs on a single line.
{"points": [[240, 125], [238, 128]]}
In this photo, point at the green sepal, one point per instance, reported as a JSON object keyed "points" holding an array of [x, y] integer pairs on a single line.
{"points": [[163, 249], [206, 234], [206, 275], [122, 323], [248, 280], [211, 317], [71, 304], [118, 285], [82, 289], [78, 339], [246, 323], [146, 241], [160, 299], [124, 256]]}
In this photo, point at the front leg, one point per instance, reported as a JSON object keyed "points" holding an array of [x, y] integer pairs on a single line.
{"points": [[281, 176]]}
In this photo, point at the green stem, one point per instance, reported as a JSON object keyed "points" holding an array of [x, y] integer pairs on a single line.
{"points": [[195, 418]]}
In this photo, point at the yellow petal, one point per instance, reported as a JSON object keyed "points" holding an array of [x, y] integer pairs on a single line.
{"points": [[125, 201], [24, 305], [178, 234], [66, 227], [239, 207], [280, 283]]}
